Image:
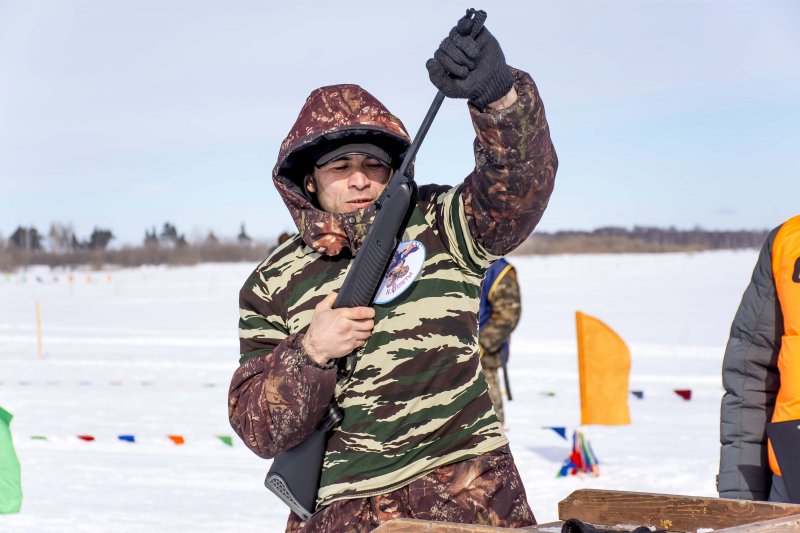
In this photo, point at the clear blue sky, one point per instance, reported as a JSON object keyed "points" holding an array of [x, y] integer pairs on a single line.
{"points": [[127, 114]]}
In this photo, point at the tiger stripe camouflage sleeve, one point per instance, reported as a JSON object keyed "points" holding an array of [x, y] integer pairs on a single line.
{"points": [[515, 167], [277, 395]]}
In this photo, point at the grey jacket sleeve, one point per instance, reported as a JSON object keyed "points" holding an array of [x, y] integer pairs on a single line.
{"points": [[751, 380]]}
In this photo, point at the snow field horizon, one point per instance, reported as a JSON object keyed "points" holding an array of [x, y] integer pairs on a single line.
{"points": [[175, 328]]}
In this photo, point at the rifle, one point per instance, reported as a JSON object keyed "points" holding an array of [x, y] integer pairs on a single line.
{"points": [[295, 473]]}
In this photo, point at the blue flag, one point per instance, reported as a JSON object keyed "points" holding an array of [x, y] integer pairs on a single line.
{"points": [[560, 430]]}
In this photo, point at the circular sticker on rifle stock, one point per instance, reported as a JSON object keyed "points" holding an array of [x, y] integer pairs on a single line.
{"points": [[403, 270]]}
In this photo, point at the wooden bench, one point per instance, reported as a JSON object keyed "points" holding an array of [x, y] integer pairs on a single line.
{"points": [[627, 510]]}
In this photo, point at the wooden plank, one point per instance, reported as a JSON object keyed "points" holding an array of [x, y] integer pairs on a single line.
{"points": [[788, 524], [409, 525], [667, 511]]}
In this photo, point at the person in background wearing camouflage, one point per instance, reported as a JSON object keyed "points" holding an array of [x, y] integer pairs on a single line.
{"points": [[499, 315], [419, 438]]}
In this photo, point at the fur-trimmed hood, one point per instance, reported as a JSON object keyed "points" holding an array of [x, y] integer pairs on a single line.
{"points": [[331, 116]]}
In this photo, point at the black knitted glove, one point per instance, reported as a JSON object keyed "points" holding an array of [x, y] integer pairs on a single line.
{"points": [[470, 64]]}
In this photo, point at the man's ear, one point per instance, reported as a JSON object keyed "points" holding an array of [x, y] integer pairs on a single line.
{"points": [[310, 184]]}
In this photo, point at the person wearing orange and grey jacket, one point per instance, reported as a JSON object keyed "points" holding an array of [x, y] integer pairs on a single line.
{"points": [[761, 370]]}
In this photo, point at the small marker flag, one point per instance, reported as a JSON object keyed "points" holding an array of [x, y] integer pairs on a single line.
{"points": [[10, 479], [686, 394], [226, 439], [177, 439], [87, 438], [638, 393], [127, 438], [604, 364], [562, 431], [582, 460]]}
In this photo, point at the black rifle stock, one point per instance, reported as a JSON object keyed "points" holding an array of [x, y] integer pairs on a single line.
{"points": [[295, 473]]}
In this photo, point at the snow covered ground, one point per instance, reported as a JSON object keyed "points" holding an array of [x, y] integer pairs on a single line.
{"points": [[148, 352]]}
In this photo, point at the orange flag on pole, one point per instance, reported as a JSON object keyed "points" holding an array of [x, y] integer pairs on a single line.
{"points": [[604, 365]]}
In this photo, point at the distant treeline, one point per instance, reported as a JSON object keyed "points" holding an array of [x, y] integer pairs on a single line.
{"points": [[639, 240], [26, 246], [62, 248], [190, 254]]}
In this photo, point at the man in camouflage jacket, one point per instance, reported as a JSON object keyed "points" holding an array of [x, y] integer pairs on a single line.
{"points": [[499, 315], [418, 437]]}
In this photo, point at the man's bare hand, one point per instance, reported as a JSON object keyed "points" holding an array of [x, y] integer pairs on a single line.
{"points": [[335, 333]]}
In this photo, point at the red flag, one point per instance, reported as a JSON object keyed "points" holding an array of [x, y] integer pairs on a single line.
{"points": [[686, 394]]}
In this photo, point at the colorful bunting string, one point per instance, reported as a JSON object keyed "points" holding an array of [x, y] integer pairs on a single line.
{"points": [[178, 440], [70, 278], [113, 383]]}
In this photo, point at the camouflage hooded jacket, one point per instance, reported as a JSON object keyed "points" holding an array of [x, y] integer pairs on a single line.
{"points": [[417, 399]]}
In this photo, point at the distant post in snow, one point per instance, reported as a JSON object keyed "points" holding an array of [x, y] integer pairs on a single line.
{"points": [[40, 354]]}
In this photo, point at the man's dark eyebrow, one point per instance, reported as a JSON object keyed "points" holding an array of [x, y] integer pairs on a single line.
{"points": [[348, 157]]}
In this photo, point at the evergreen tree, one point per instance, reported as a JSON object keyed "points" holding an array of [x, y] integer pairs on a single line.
{"points": [[243, 237], [100, 238], [26, 238], [150, 238], [212, 239]]}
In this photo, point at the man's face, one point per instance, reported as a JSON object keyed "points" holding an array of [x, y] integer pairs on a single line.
{"points": [[350, 183]]}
